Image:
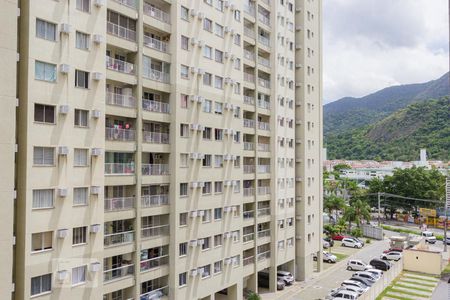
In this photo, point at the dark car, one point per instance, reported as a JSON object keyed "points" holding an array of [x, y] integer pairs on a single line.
{"points": [[329, 240], [380, 264], [263, 281], [363, 280]]}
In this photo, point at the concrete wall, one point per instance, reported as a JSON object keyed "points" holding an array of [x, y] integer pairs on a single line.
{"points": [[422, 261]]}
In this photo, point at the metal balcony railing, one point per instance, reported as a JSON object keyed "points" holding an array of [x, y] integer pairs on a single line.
{"points": [[249, 192], [264, 40], [154, 262], [119, 65], [248, 237], [263, 168], [263, 255], [248, 260], [263, 147], [154, 200], [249, 123], [249, 214], [265, 211], [248, 169], [114, 239], [156, 44], [119, 134], [249, 32], [264, 83], [121, 31], [156, 13], [129, 3], [263, 233], [250, 10], [116, 273], [155, 231], [120, 100], [249, 100], [155, 137], [264, 19], [155, 169], [249, 77], [119, 168], [155, 294], [156, 75], [249, 146], [249, 55], [263, 125], [264, 104], [263, 190], [119, 203], [155, 106]]}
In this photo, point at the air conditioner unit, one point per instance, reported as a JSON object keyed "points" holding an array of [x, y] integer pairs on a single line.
{"points": [[201, 184], [194, 214], [95, 190], [227, 29], [193, 272], [193, 126], [97, 38], [201, 242], [96, 113], [193, 155], [227, 81], [201, 15], [61, 275], [201, 156], [234, 208], [200, 127], [233, 157], [99, 3], [62, 233], [64, 109], [201, 43], [194, 41], [200, 99], [227, 209], [95, 228], [193, 12], [96, 152], [97, 76], [65, 28], [95, 267], [194, 185], [63, 150], [233, 57], [201, 71], [62, 192], [194, 70], [193, 98], [232, 32], [225, 131], [280, 222], [193, 243], [64, 68], [226, 4], [201, 213], [228, 261], [233, 6]]}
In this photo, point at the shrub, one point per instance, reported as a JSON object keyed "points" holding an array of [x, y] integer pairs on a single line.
{"points": [[356, 232], [368, 241], [254, 296]]}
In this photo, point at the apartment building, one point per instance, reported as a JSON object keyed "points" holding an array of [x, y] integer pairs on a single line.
{"points": [[166, 149]]}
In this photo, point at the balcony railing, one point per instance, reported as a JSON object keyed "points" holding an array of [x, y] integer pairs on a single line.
{"points": [[155, 106], [156, 13], [249, 77], [119, 134], [250, 9], [263, 190], [264, 19], [248, 237], [249, 123], [263, 125], [249, 32], [120, 100], [263, 147], [264, 40], [266, 2], [264, 83], [248, 260], [263, 233], [156, 75], [155, 137], [249, 192], [129, 3], [119, 203], [116, 273], [113, 239], [155, 169], [264, 61], [249, 214], [156, 44], [155, 231], [249, 55], [155, 294], [263, 255], [265, 211], [154, 262], [119, 65], [264, 104], [263, 168], [248, 169], [249, 100], [249, 146], [121, 31], [154, 200], [119, 168]]}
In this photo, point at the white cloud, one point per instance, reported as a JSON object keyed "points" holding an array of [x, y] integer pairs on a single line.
{"points": [[371, 44]]}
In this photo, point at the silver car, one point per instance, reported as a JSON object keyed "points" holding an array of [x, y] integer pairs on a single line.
{"points": [[286, 277]]}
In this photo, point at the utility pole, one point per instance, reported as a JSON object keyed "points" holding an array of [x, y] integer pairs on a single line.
{"points": [[447, 204], [379, 208]]}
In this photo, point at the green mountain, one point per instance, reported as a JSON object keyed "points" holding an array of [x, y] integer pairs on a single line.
{"points": [[351, 113], [399, 136]]}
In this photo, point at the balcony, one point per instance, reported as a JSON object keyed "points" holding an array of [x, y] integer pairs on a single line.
{"points": [[248, 260], [263, 126], [119, 168], [120, 100], [154, 200], [249, 192], [265, 211], [249, 123], [264, 19], [128, 3], [249, 214], [156, 44], [249, 77], [249, 55], [155, 106], [248, 237], [156, 75], [154, 262], [250, 9], [121, 31], [156, 13], [119, 238], [155, 231], [249, 169], [263, 190], [117, 273], [155, 137], [264, 40], [263, 233], [119, 134], [264, 83], [249, 146], [156, 294], [249, 32], [249, 100], [263, 168], [263, 104], [263, 256], [119, 65], [155, 169], [264, 61], [263, 147], [118, 204]]}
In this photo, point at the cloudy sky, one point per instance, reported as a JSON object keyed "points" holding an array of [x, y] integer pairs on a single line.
{"points": [[372, 44]]}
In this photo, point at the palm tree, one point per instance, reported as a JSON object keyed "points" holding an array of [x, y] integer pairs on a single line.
{"points": [[349, 216], [334, 203], [362, 212]]}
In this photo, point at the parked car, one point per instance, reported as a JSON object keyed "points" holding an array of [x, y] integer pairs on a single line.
{"points": [[367, 282], [156, 295], [329, 240], [352, 288], [357, 240], [447, 240], [393, 249], [263, 281], [357, 265], [343, 294], [429, 237], [325, 244], [355, 283], [338, 237], [393, 255], [367, 275], [375, 272], [349, 242], [326, 257], [379, 264], [286, 277]]}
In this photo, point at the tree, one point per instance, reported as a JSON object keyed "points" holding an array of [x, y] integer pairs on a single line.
{"points": [[362, 212], [333, 203], [349, 216], [339, 167]]}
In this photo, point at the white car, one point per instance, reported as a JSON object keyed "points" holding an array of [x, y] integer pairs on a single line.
{"points": [[368, 275], [357, 265], [344, 294], [351, 288], [429, 237], [375, 272], [348, 242], [393, 255], [354, 283]]}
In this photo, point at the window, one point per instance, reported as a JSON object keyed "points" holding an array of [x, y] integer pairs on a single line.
{"points": [[44, 71], [84, 5], [206, 188], [237, 137], [206, 271], [290, 222], [280, 244], [206, 162], [218, 108], [184, 160], [218, 240], [184, 13], [183, 189], [218, 213], [207, 106], [207, 79], [218, 30], [237, 15], [184, 42], [184, 103], [81, 79], [237, 162], [219, 56], [44, 156], [235, 260], [237, 65], [237, 88], [79, 275], [44, 113], [206, 243], [237, 112], [183, 219], [236, 234], [45, 30], [218, 82], [80, 158], [82, 40], [184, 130], [182, 279], [218, 267], [219, 5], [207, 216], [41, 284], [218, 134], [218, 161], [237, 187], [207, 133], [207, 52], [218, 187], [182, 248], [43, 198], [237, 39], [207, 24], [41, 241], [79, 235], [81, 117], [80, 196], [184, 72]]}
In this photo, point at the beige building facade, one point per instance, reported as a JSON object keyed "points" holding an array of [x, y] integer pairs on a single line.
{"points": [[166, 149]]}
